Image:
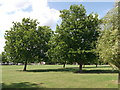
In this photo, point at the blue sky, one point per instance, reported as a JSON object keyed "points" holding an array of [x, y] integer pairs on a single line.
{"points": [[101, 8], [46, 12], [97, 7]]}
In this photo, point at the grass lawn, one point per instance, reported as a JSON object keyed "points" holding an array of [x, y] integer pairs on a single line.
{"points": [[54, 76]]}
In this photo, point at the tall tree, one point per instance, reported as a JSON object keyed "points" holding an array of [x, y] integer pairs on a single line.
{"points": [[79, 33], [26, 41], [109, 40], [58, 51]]}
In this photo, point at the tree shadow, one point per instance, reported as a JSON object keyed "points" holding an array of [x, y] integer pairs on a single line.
{"points": [[22, 85], [73, 69], [53, 70], [97, 71]]}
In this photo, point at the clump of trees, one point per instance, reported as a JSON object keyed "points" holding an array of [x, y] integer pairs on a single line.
{"points": [[27, 42], [75, 38], [73, 41], [109, 40]]}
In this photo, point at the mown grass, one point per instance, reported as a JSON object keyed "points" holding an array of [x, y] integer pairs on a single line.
{"points": [[54, 76]]}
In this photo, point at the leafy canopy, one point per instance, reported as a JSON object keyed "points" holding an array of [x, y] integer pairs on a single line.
{"points": [[27, 41], [109, 40], [75, 37]]}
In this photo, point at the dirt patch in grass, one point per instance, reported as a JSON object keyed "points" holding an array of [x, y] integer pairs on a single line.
{"points": [[115, 81]]}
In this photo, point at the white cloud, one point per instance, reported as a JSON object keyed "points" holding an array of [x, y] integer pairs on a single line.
{"points": [[14, 10], [2, 43]]}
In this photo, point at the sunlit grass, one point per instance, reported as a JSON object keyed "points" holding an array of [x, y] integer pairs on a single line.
{"points": [[54, 76]]}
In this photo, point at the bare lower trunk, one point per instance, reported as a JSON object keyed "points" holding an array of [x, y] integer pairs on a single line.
{"points": [[80, 67], [96, 65], [64, 65], [119, 80], [25, 66]]}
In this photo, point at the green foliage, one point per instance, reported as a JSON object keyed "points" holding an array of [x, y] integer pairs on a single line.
{"points": [[4, 57], [58, 51], [108, 43], [26, 41], [75, 39]]}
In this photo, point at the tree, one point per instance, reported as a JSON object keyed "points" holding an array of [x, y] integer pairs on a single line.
{"points": [[26, 41], [58, 51], [79, 33], [109, 40], [4, 57]]}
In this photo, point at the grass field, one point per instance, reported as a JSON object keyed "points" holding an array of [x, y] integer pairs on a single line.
{"points": [[54, 76]]}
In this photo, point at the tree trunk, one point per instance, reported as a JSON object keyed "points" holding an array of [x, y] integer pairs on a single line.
{"points": [[119, 80], [25, 66], [64, 65], [80, 67], [96, 65]]}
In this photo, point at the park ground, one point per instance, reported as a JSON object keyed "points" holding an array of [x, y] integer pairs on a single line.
{"points": [[54, 76]]}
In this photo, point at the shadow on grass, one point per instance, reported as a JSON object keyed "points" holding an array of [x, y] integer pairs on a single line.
{"points": [[22, 85], [73, 69], [53, 70], [97, 71]]}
